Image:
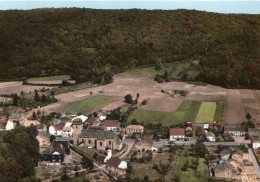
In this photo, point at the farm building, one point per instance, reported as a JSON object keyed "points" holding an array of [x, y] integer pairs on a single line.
{"points": [[255, 141], [236, 130], [143, 144], [210, 136], [112, 125], [177, 134], [134, 129]]}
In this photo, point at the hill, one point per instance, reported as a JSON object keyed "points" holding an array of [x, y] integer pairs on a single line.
{"points": [[94, 44]]}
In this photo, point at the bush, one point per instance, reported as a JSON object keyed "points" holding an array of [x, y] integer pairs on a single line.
{"points": [[129, 99]]}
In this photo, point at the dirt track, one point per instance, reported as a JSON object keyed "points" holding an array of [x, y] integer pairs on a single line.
{"points": [[239, 102]]}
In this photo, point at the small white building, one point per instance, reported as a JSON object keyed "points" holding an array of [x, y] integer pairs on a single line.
{"points": [[57, 129], [10, 125], [255, 140], [82, 117], [210, 136]]}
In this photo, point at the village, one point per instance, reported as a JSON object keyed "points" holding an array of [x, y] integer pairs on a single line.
{"points": [[113, 147]]}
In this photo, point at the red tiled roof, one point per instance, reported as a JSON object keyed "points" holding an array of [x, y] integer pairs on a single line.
{"points": [[40, 126], [95, 128], [226, 133], [59, 126], [114, 161], [100, 157], [147, 140], [200, 130], [91, 120], [111, 123], [177, 132]]}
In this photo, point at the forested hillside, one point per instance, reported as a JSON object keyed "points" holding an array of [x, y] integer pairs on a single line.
{"points": [[94, 44]]}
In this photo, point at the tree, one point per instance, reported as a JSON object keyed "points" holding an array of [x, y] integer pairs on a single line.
{"points": [[15, 99], [137, 95], [129, 99], [248, 116], [44, 98], [246, 136], [165, 76], [36, 96], [146, 178]]}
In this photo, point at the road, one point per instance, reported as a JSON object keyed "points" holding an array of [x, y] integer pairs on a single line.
{"points": [[250, 151], [129, 143]]}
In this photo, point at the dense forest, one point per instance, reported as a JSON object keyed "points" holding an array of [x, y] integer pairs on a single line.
{"points": [[94, 44]]}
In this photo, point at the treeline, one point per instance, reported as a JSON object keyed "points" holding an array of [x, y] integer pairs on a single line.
{"points": [[94, 44], [19, 154]]}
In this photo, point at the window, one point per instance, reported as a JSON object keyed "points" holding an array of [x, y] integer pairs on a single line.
{"points": [[109, 142], [89, 141], [100, 144]]}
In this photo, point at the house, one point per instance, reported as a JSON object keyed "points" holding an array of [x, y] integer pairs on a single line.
{"points": [[226, 153], [27, 122], [3, 124], [116, 164], [217, 125], [43, 138], [200, 132], [52, 155], [206, 126], [66, 118], [210, 136], [112, 125], [227, 136], [59, 143], [143, 144], [177, 134], [236, 130], [224, 170], [99, 139], [41, 127], [255, 141], [82, 117], [90, 121], [134, 129], [10, 125], [57, 129]]}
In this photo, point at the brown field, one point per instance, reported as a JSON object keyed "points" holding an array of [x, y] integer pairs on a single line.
{"points": [[239, 101], [17, 87]]}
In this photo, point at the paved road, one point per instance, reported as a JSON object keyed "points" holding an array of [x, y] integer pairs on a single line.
{"points": [[129, 143], [226, 143], [250, 151]]}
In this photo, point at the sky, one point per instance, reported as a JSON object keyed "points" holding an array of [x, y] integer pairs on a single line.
{"points": [[219, 6]]}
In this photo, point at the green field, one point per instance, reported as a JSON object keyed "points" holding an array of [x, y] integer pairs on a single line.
{"points": [[220, 114], [186, 112], [200, 174], [152, 117], [50, 78], [175, 70], [87, 105], [90, 151], [206, 112]]}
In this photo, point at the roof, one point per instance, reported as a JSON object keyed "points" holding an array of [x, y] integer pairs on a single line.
{"points": [[254, 131], [206, 125], [3, 124], [66, 118], [77, 121], [15, 115], [111, 123], [145, 140], [95, 128], [101, 135], [200, 130], [44, 134], [235, 128], [210, 134], [226, 134], [114, 161], [40, 126], [59, 126], [91, 119], [177, 131], [222, 166], [100, 157], [226, 151], [135, 127], [82, 117]]}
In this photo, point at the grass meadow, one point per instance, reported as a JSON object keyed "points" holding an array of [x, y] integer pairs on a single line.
{"points": [[200, 174], [206, 112], [174, 70], [87, 105], [220, 114], [50, 78]]}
